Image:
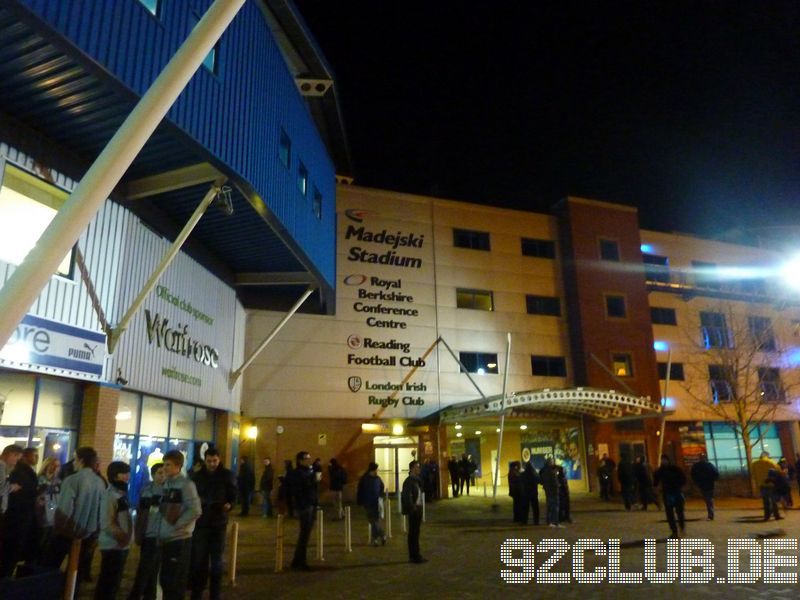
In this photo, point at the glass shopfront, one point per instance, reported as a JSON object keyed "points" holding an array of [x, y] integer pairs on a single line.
{"points": [[148, 427], [39, 412]]}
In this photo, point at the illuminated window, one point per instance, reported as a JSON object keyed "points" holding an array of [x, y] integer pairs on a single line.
{"points": [[302, 179], [27, 205], [714, 329], [475, 299], [721, 381], [151, 5], [622, 365]]}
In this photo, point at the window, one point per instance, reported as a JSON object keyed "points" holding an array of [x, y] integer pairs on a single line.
{"points": [[656, 268], [675, 371], [705, 275], [714, 330], [726, 451], [285, 150], [152, 6], [762, 333], [478, 362], [538, 248], [769, 383], [609, 250], [663, 316], [317, 207], [27, 205], [475, 299], [302, 178], [615, 307], [622, 364], [475, 240], [721, 381], [549, 366], [543, 305]]}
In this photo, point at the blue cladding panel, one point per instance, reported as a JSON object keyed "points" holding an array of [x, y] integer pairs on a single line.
{"points": [[236, 114]]}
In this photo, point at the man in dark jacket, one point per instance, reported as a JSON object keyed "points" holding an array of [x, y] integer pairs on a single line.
{"points": [[337, 478], [370, 495], [19, 524], [549, 478], [265, 485], [302, 484], [627, 481], [530, 484], [453, 470], [516, 489], [704, 474], [247, 483], [411, 505], [644, 480], [217, 491], [672, 479]]}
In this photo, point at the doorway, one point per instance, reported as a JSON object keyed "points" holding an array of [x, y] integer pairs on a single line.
{"points": [[393, 455], [633, 450]]}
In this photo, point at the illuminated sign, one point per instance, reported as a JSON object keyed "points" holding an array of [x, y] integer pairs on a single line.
{"points": [[39, 344]]}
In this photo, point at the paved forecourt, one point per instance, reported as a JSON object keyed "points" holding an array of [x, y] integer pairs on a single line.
{"points": [[462, 540]]}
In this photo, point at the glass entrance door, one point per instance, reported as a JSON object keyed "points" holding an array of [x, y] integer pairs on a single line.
{"points": [[393, 463]]}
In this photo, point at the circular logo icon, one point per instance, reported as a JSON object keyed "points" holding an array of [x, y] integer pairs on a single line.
{"points": [[355, 279], [354, 341], [526, 454]]}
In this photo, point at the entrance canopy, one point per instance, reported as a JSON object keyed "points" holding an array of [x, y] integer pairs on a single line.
{"points": [[603, 405]]}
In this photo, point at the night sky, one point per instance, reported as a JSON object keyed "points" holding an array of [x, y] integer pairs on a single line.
{"points": [[688, 110]]}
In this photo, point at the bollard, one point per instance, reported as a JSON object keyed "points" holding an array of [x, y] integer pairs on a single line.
{"points": [[279, 545], [72, 569], [234, 551], [399, 505], [320, 535], [404, 525], [388, 514], [348, 533], [484, 489], [423, 507]]}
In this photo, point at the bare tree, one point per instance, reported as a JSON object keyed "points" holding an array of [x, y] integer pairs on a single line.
{"points": [[737, 371]]}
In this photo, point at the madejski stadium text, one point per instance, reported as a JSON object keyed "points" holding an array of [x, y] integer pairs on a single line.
{"points": [[390, 257]]}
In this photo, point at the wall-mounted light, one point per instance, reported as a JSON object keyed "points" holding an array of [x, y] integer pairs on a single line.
{"points": [[397, 429], [252, 432]]}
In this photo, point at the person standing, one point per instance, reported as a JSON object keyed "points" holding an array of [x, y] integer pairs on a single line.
{"points": [[178, 511], [77, 515], [463, 474], [303, 490], [217, 491], [644, 479], [145, 583], [265, 485], [516, 489], [704, 475], [760, 469], [549, 478], [452, 469], [116, 529], [247, 483], [19, 525], [672, 479], [370, 496], [530, 484], [627, 481], [411, 504], [48, 490], [8, 460], [604, 477], [337, 477]]}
